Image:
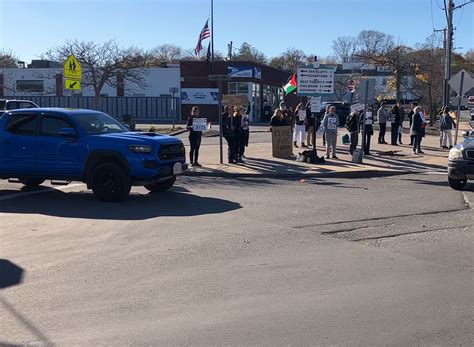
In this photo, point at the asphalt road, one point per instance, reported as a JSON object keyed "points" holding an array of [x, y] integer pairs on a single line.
{"points": [[384, 261]]}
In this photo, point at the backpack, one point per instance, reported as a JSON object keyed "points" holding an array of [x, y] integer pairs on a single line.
{"points": [[349, 121]]}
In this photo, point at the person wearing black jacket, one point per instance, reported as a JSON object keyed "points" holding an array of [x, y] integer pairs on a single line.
{"points": [[229, 135], [239, 131], [352, 125], [194, 138], [369, 130], [395, 114]]}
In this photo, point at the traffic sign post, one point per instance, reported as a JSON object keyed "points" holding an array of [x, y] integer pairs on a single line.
{"points": [[72, 71], [174, 106], [351, 88], [460, 82], [367, 93], [219, 79], [314, 82]]}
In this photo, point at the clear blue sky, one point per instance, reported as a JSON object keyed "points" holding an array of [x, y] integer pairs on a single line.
{"points": [[29, 27]]}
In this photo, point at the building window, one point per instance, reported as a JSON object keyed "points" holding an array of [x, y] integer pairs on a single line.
{"points": [[238, 87], [32, 86]]}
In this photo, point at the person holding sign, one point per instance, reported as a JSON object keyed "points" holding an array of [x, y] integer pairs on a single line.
{"points": [[329, 127], [300, 130], [195, 128]]}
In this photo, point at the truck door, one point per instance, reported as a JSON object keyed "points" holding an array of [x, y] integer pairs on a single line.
{"points": [[57, 155], [18, 144]]}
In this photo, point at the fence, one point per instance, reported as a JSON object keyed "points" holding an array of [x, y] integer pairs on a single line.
{"points": [[159, 109]]}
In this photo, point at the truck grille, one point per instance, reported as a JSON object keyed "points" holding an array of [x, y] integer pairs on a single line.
{"points": [[171, 151], [470, 155]]}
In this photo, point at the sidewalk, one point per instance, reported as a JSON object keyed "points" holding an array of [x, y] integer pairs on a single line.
{"points": [[385, 160]]}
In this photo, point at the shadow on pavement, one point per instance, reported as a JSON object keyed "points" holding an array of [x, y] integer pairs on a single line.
{"points": [[174, 203]]}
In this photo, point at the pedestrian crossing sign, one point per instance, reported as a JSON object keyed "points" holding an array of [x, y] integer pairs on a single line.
{"points": [[72, 68]]}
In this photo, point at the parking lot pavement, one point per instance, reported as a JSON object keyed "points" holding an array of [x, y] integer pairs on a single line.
{"points": [[241, 262]]}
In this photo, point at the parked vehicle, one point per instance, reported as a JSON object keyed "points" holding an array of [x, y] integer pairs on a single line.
{"points": [[12, 104], [461, 162], [64, 145], [342, 110]]}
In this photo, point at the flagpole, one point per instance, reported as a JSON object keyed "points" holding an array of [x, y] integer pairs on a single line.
{"points": [[212, 30]]}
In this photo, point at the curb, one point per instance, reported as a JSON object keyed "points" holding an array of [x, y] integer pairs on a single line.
{"points": [[179, 132], [348, 174]]}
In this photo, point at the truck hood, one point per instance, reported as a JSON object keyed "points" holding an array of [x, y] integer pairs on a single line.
{"points": [[140, 138]]}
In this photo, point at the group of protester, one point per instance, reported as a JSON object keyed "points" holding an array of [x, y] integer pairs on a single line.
{"points": [[235, 128], [303, 122]]}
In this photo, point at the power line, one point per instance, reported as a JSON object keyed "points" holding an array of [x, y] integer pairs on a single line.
{"points": [[437, 3], [432, 21]]}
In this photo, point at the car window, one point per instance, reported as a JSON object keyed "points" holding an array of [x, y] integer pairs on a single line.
{"points": [[14, 105], [50, 126], [22, 124], [99, 123], [2, 105]]}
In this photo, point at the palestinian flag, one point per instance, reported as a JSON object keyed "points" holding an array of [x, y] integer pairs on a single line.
{"points": [[290, 86]]}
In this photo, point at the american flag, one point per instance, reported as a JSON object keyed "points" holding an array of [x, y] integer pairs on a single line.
{"points": [[205, 33]]}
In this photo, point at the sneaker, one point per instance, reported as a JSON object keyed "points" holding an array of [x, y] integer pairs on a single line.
{"points": [[450, 147], [327, 157], [400, 143], [420, 152], [197, 164], [444, 147], [335, 157], [414, 152]]}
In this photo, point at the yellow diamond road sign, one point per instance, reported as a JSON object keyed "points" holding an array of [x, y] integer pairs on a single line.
{"points": [[72, 69], [73, 84]]}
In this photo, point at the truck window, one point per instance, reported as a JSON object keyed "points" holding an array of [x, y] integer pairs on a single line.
{"points": [[22, 124], [50, 126]]}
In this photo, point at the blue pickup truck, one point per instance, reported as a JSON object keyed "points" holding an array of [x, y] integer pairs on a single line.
{"points": [[65, 145]]}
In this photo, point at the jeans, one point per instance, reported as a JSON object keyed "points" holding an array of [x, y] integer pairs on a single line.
{"points": [[195, 142], [331, 142], [417, 142], [383, 131], [394, 133], [231, 152], [446, 138], [368, 136], [354, 141]]}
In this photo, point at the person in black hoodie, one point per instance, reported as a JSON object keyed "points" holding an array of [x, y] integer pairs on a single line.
{"points": [[239, 131], [410, 118], [352, 125], [229, 135], [194, 138], [395, 114]]}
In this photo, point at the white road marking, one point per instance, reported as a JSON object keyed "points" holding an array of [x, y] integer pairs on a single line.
{"points": [[47, 190]]}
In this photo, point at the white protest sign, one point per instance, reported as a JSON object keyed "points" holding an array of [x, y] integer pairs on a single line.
{"points": [[200, 124], [357, 107], [315, 104]]}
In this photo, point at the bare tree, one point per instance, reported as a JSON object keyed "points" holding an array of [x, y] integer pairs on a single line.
{"points": [[7, 59], [344, 48], [290, 60], [373, 43], [103, 64], [167, 53], [247, 52]]}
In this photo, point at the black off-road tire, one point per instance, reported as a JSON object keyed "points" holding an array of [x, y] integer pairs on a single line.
{"points": [[110, 182], [161, 186], [32, 182], [457, 184]]}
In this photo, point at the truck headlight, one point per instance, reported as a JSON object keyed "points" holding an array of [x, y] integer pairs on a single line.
{"points": [[140, 148], [455, 153]]}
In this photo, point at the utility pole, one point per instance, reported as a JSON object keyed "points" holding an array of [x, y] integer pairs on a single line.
{"points": [[449, 9], [449, 47]]}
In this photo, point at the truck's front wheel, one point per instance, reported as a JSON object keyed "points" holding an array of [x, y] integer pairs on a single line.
{"points": [[110, 182], [161, 186], [456, 184], [31, 182]]}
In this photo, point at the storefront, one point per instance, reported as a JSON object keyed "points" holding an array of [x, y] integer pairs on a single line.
{"points": [[261, 83]]}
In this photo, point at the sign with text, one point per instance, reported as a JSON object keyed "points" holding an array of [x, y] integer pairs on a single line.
{"points": [[312, 82], [357, 107], [199, 96], [235, 99], [200, 124], [282, 145], [316, 104], [367, 91], [72, 71]]}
